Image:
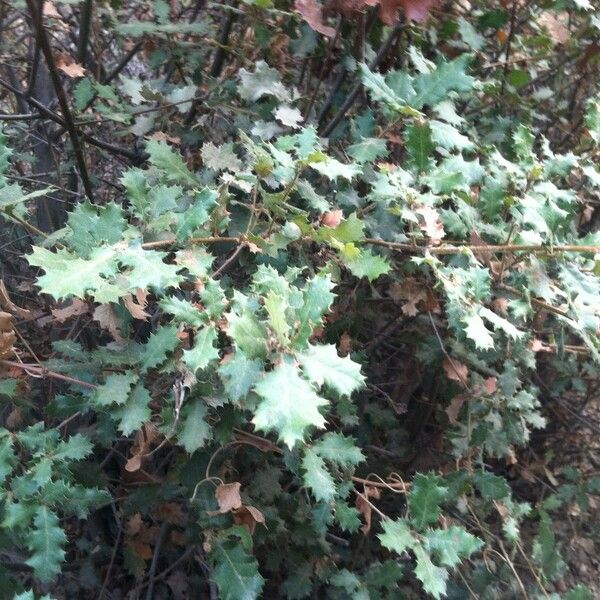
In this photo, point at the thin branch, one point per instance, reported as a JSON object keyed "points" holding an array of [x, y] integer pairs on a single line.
{"points": [[381, 54], [488, 249], [44, 43], [43, 373]]}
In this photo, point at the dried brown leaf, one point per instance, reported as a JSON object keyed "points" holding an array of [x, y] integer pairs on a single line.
{"points": [[248, 516], [456, 370], [77, 307], [431, 226], [228, 496], [454, 408]]}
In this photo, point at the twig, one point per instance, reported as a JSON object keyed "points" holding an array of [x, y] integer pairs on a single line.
{"points": [[42, 372], [161, 536], [488, 249], [358, 87], [205, 240], [44, 43], [112, 561]]}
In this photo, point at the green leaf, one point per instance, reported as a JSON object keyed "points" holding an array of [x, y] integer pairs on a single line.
{"points": [[247, 334], [197, 214], [8, 387], [183, 311], [135, 411], [289, 404], [276, 307], [379, 89], [92, 226], [317, 477], [161, 342], [368, 150], [332, 169], [419, 146], [433, 578], [7, 456], [77, 447], [451, 545], [263, 82], [397, 536], [322, 364], [195, 431], [347, 517], [68, 275], [45, 542], [545, 551], [339, 448], [148, 269], [236, 572], [170, 163], [477, 331], [239, 374], [425, 498], [204, 350], [363, 263], [115, 389], [490, 486]]}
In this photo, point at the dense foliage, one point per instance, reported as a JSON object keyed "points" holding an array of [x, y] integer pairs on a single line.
{"points": [[288, 290]]}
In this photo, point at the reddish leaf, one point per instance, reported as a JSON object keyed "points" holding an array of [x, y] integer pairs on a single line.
{"points": [[312, 13], [414, 10], [456, 371]]}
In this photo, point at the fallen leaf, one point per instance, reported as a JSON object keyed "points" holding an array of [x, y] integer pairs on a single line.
{"points": [[248, 516], [50, 10], [555, 24], [106, 317], [135, 310], [77, 307], [431, 225], [68, 66], [160, 136], [228, 496], [312, 13]]}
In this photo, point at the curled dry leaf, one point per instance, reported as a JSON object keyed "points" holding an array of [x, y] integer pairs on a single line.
{"points": [[133, 464], [456, 371], [248, 516], [332, 218], [135, 310], [228, 496], [364, 507], [7, 304], [312, 13]]}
